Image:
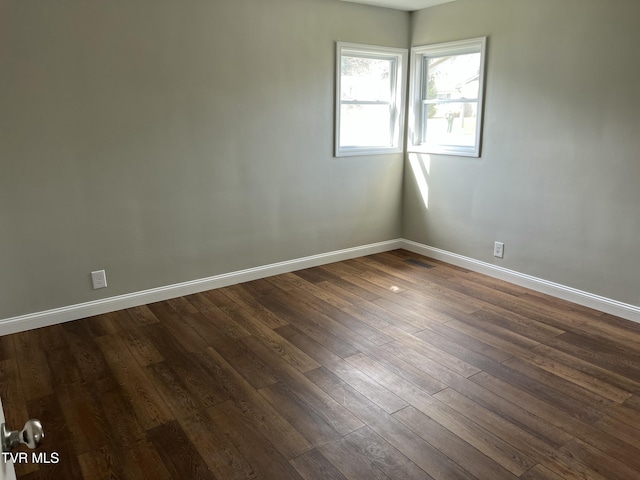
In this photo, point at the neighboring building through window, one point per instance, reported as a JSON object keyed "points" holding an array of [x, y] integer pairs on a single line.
{"points": [[369, 99], [446, 97]]}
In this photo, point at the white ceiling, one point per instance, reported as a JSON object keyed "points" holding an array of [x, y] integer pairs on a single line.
{"points": [[409, 5]]}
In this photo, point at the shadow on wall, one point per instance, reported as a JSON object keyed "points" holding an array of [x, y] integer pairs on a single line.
{"points": [[421, 167]]}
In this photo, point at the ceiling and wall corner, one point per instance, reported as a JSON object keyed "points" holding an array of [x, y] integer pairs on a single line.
{"points": [[408, 5]]}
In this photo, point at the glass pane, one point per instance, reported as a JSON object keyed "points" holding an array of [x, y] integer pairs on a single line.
{"points": [[366, 79], [365, 126], [452, 78], [450, 123]]}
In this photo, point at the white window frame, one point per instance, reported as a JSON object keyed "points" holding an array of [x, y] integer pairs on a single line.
{"points": [[399, 58], [416, 141]]}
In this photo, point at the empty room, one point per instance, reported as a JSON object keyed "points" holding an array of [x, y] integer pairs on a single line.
{"points": [[320, 239]]}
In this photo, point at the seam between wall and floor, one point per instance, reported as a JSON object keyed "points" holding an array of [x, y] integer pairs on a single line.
{"points": [[119, 302]]}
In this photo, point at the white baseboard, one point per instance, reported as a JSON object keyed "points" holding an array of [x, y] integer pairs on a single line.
{"points": [[111, 304], [597, 302]]}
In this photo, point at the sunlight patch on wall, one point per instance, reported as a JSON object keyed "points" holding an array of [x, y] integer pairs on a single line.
{"points": [[421, 166]]}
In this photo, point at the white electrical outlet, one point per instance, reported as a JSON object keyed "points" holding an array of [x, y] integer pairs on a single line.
{"points": [[498, 249], [99, 279]]}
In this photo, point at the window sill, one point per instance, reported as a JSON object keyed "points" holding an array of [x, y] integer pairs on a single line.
{"points": [[445, 150], [355, 152]]}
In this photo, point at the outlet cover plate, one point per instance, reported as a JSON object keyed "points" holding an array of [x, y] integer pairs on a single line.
{"points": [[99, 279]]}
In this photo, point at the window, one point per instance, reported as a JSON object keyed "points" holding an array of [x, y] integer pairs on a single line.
{"points": [[446, 97], [369, 91]]}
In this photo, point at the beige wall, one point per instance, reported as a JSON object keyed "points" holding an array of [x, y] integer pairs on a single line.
{"points": [[167, 141], [559, 177]]}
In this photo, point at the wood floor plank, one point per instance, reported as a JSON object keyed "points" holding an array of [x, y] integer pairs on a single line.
{"points": [[310, 300], [324, 405], [313, 328], [82, 416], [141, 315], [122, 429], [289, 442], [259, 452], [500, 338], [349, 291], [626, 384], [420, 289], [419, 319], [466, 350], [279, 345], [216, 335], [426, 349], [350, 461], [599, 461], [403, 369], [254, 370], [382, 397], [84, 347], [513, 413], [537, 449], [7, 347], [571, 393], [540, 472], [385, 456], [141, 347], [444, 271], [535, 312], [313, 465], [548, 389], [514, 322], [620, 429], [246, 301], [304, 419], [382, 318], [149, 408], [580, 373], [422, 362], [515, 461], [217, 451], [464, 454], [567, 421], [33, 366], [293, 281], [575, 346], [15, 408], [63, 366], [425, 456], [173, 391], [176, 326], [99, 464], [59, 439], [469, 342], [390, 366], [177, 452]]}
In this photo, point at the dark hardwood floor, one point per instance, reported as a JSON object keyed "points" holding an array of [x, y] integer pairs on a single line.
{"points": [[392, 366]]}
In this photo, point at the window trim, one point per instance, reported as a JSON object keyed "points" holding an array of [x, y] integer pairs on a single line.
{"points": [[414, 134], [398, 92]]}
